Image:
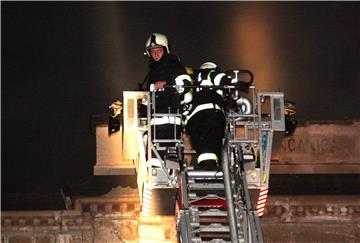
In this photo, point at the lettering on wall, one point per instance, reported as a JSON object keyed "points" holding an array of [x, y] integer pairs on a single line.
{"points": [[317, 144]]}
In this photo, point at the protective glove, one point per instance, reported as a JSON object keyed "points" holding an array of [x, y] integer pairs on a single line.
{"points": [[179, 88], [115, 108], [186, 109]]}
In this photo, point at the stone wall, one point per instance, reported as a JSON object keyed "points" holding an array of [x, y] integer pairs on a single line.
{"points": [[312, 219], [110, 218], [115, 217]]}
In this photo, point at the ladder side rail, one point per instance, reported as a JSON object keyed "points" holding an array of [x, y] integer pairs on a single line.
{"points": [[184, 191], [255, 233], [258, 235], [239, 188], [234, 236], [185, 227], [185, 222], [247, 218]]}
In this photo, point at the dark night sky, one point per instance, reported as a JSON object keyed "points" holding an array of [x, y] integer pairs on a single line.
{"points": [[63, 62]]}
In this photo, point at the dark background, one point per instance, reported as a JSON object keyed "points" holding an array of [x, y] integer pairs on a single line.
{"points": [[62, 62]]}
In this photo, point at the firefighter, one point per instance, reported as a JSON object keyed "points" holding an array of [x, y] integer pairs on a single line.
{"points": [[165, 69], [205, 122]]}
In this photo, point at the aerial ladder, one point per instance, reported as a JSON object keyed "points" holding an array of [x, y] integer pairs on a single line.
{"points": [[216, 205], [210, 206]]}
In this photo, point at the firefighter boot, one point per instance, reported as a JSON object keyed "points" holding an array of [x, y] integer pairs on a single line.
{"points": [[210, 165]]}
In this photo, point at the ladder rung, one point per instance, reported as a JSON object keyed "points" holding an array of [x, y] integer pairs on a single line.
{"points": [[206, 186], [213, 219], [203, 174], [212, 212], [215, 227], [208, 196], [215, 241]]}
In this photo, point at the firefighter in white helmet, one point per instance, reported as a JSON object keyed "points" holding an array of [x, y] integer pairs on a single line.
{"points": [[165, 69], [205, 122]]}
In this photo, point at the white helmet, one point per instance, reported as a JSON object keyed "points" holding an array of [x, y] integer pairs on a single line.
{"points": [[157, 40], [208, 65]]}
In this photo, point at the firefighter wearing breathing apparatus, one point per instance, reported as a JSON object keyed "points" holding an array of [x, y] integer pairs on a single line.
{"points": [[205, 121], [167, 76]]}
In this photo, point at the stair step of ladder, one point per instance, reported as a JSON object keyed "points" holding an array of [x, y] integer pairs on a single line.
{"points": [[216, 241], [213, 219], [209, 216], [206, 186], [203, 174], [213, 228], [194, 196], [198, 240], [213, 212]]}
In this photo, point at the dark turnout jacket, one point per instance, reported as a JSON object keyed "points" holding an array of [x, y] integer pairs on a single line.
{"points": [[170, 70]]}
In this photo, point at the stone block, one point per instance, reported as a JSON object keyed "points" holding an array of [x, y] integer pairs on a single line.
{"points": [[36, 221], [108, 207], [7, 222], [20, 239], [45, 239], [93, 207]]}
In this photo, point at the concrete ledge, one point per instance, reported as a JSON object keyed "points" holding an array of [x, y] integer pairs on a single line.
{"points": [[310, 232], [115, 170], [310, 209], [314, 169]]}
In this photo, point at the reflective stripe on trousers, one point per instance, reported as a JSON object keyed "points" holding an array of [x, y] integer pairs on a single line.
{"points": [[207, 156]]}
